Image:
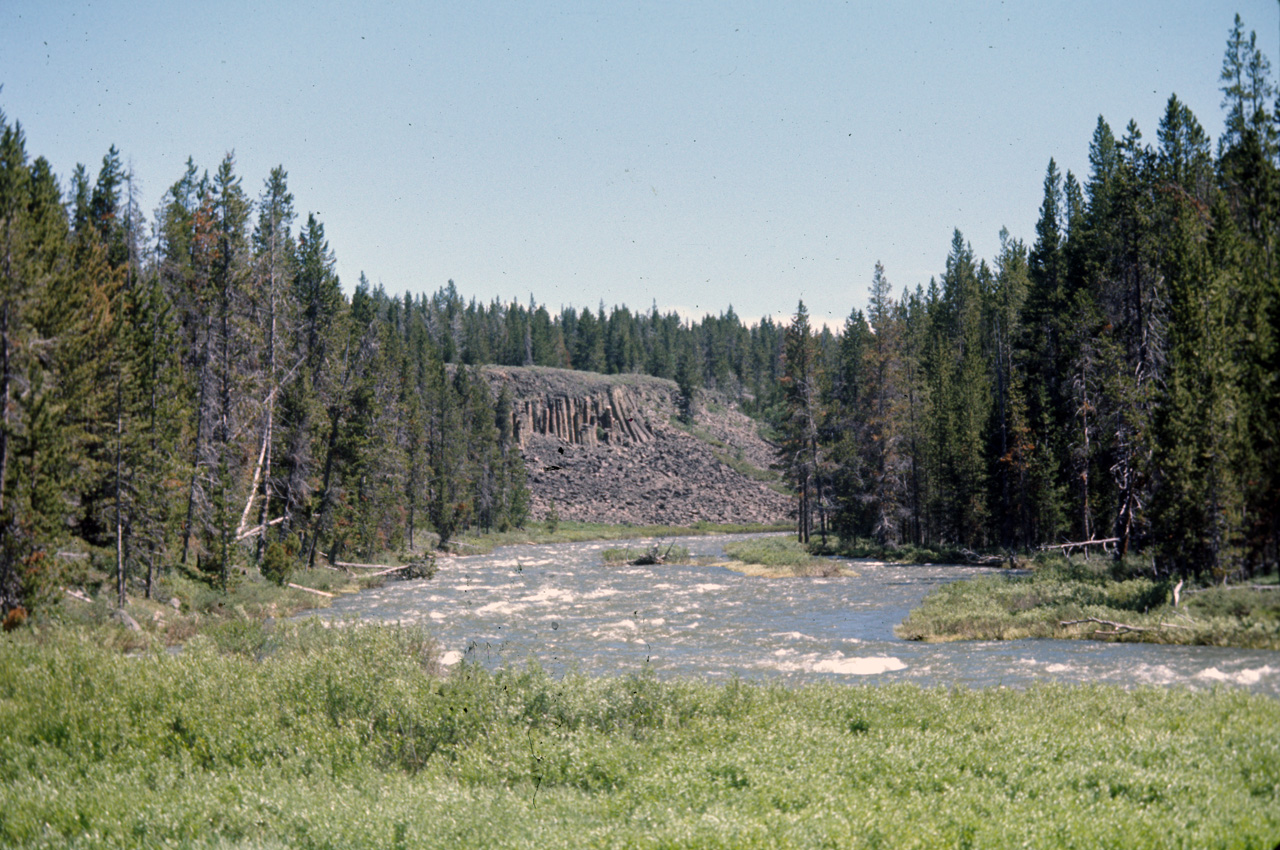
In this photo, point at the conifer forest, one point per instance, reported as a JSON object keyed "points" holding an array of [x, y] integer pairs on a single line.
{"points": [[192, 385]]}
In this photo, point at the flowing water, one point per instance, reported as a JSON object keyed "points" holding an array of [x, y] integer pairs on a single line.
{"points": [[560, 605]]}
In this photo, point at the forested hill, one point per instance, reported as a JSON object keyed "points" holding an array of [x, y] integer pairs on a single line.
{"points": [[197, 388]]}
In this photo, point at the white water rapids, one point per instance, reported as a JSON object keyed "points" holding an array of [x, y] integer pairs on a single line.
{"points": [[560, 605]]}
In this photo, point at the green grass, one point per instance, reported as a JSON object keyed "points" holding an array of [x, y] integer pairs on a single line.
{"points": [[905, 554], [778, 557], [1057, 591], [668, 552], [350, 737], [200, 607]]}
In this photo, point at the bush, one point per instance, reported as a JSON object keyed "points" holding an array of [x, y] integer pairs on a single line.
{"points": [[277, 564]]}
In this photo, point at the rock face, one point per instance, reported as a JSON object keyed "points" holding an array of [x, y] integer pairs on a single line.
{"points": [[605, 448], [602, 416]]}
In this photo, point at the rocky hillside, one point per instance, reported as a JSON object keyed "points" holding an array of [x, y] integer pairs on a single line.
{"points": [[608, 448]]}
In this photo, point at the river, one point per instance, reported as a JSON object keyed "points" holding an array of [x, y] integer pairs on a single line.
{"points": [[560, 605]]}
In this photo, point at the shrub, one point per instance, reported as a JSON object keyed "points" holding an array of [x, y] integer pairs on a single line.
{"points": [[277, 565]]}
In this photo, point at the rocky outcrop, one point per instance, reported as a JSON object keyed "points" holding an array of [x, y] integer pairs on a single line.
{"points": [[610, 416], [608, 449]]}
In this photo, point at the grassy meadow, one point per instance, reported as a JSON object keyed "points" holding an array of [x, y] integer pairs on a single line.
{"points": [[307, 737], [1080, 593]]}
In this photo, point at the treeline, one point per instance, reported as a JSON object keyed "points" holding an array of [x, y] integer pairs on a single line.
{"points": [[205, 394], [199, 390], [720, 352], [1118, 379]]}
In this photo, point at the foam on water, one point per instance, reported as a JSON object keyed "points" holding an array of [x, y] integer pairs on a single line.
{"points": [[501, 607], [869, 666], [1240, 677], [559, 605], [551, 594]]}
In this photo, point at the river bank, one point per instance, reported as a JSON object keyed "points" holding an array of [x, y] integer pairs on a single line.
{"points": [[1080, 600], [355, 738], [184, 603]]}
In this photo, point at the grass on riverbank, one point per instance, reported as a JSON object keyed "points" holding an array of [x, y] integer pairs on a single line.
{"points": [[779, 557], [908, 553], [664, 553], [579, 532], [183, 605], [349, 737], [1058, 591]]}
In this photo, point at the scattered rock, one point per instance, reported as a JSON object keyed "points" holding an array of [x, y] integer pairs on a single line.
{"points": [[122, 617]]}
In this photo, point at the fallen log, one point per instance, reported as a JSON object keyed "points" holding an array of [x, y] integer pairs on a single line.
{"points": [[1120, 628], [312, 590], [1103, 542]]}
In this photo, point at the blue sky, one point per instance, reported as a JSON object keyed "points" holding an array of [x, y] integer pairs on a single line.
{"points": [[692, 155]]}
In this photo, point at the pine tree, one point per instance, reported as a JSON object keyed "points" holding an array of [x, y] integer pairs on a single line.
{"points": [[798, 449], [273, 276]]}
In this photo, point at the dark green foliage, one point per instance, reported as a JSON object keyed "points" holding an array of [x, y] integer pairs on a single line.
{"points": [[277, 563]]}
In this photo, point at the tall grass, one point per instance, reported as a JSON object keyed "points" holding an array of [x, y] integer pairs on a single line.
{"points": [[776, 557], [352, 737]]}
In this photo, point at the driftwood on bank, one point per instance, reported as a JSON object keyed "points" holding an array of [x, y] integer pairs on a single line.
{"points": [[1119, 628], [413, 569], [653, 557], [974, 559], [1067, 548]]}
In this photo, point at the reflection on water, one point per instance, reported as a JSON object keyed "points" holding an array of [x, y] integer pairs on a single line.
{"points": [[559, 605]]}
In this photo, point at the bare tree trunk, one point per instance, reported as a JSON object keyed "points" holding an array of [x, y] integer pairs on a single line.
{"points": [[271, 402], [120, 582]]}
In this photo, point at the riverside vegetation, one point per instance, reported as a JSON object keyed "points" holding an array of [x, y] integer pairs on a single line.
{"points": [[307, 737], [1102, 598]]}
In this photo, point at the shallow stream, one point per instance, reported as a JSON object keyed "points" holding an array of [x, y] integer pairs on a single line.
{"points": [[560, 605]]}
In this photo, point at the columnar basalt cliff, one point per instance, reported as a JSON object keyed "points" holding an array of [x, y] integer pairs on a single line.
{"points": [[607, 448], [601, 416]]}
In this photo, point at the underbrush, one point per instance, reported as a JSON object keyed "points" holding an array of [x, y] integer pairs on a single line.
{"points": [[354, 737], [183, 605], [1101, 598], [908, 553]]}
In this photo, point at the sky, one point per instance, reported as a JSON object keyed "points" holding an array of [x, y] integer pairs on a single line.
{"points": [[693, 156]]}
